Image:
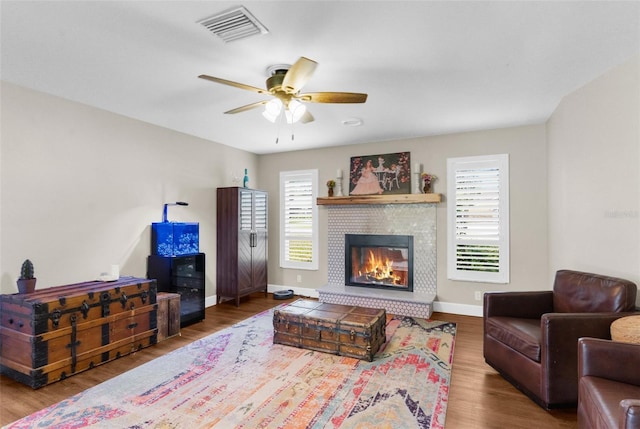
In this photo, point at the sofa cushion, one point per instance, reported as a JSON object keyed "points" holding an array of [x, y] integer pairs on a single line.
{"points": [[578, 292], [600, 400], [522, 335]]}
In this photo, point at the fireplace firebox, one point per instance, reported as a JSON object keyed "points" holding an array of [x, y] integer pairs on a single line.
{"points": [[379, 261]]}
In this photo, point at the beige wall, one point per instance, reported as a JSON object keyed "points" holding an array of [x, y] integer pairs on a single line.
{"points": [[594, 176], [81, 186], [528, 158]]}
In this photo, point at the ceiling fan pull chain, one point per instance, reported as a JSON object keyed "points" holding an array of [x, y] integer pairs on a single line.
{"points": [[278, 124], [293, 127]]}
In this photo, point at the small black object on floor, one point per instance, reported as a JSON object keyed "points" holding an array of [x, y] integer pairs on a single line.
{"points": [[283, 294]]}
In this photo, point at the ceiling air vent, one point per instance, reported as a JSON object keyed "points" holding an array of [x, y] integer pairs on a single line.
{"points": [[234, 24]]}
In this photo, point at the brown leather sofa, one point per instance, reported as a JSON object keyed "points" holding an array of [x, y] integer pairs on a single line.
{"points": [[609, 384], [531, 338]]}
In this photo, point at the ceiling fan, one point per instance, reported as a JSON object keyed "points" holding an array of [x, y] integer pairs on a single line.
{"points": [[285, 84]]}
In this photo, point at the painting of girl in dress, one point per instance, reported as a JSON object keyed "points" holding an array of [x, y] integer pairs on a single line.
{"points": [[380, 174]]}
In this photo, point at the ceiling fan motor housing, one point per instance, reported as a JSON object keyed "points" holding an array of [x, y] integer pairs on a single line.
{"points": [[274, 83]]}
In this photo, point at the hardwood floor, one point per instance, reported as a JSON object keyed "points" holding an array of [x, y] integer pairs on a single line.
{"points": [[478, 398]]}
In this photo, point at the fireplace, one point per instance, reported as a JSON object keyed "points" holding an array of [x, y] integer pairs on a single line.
{"points": [[379, 261], [415, 220]]}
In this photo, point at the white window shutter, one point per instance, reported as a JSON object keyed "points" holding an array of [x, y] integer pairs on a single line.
{"points": [[298, 219], [478, 218]]}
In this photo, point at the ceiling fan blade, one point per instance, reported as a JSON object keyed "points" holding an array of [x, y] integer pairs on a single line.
{"points": [[333, 97], [236, 84], [298, 75], [247, 107], [307, 117]]}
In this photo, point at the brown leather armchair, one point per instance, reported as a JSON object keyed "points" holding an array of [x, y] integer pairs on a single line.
{"points": [[531, 338], [609, 384]]}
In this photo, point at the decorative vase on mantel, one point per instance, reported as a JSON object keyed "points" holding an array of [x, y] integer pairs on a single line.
{"points": [[427, 179], [330, 185]]}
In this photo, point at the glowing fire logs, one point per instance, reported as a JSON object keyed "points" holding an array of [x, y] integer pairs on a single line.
{"points": [[380, 265]]}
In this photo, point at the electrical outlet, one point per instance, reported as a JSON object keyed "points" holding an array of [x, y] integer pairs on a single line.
{"points": [[299, 278], [478, 295]]}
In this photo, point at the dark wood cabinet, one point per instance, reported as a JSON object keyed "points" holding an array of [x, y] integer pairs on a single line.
{"points": [[241, 260], [184, 275]]}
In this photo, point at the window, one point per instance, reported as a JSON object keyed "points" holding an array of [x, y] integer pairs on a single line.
{"points": [[299, 219], [478, 218]]}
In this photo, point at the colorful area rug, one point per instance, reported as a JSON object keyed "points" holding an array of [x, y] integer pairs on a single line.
{"points": [[237, 378]]}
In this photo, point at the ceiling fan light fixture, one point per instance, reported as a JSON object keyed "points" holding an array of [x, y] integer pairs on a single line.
{"points": [[272, 109], [295, 111]]}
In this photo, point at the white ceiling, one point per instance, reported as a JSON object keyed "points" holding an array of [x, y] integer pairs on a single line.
{"points": [[429, 67]]}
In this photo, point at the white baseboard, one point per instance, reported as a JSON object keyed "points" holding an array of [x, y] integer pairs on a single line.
{"points": [[302, 291], [441, 307], [453, 308], [210, 301]]}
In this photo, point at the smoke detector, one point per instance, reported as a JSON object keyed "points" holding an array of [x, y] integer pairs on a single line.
{"points": [[352, 122]]}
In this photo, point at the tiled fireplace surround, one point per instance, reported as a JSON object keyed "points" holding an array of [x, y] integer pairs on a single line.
{"points": [[418, 220]]}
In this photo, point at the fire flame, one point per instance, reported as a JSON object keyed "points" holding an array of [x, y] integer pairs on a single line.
{"points": [[377, 268]]}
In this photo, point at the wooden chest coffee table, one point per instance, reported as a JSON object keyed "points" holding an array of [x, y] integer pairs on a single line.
{"points": [[332, 328]]}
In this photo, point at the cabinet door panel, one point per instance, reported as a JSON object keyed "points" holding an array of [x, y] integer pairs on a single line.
{"points": [[188, 282], [260, 211], [259, 260], [189, 266], [246, 210], [244, 260], [191, 304]]}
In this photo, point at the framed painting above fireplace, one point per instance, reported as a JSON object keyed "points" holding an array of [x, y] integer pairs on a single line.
{"points": [[380, 174]]}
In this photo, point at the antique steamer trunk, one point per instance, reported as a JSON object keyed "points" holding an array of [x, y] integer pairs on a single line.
{"points": [[53, 333], [339, 329]]}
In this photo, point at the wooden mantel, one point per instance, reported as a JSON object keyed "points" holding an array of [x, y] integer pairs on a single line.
{"points": [[381, 199]]}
